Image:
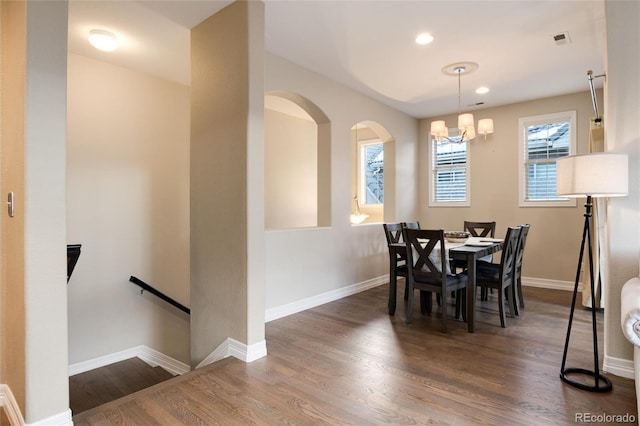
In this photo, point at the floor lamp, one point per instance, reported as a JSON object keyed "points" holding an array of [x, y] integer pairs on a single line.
{"points": [[590, 176]]}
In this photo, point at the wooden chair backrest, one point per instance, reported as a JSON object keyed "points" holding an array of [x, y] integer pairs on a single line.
{"points": [[508, 259], [522, 239], [411, 225], [393, 232], [480, 229], [420, 244]]}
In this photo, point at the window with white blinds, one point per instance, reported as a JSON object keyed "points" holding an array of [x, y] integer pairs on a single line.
{"points": [[544, 139], [450, 172]]}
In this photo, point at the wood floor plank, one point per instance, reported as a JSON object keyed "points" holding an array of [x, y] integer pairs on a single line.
{"points": [[349, 362]]}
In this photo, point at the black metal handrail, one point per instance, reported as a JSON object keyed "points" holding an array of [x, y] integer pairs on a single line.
{"points": [[73, 253], [159, 294]]}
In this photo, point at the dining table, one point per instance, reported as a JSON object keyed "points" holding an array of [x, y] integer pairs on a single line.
{"points": [[471, 251]]}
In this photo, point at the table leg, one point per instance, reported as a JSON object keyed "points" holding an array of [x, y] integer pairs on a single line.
{"points": [[393, 280], [471, 290]]}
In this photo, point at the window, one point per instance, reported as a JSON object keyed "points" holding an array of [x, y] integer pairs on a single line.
{"points": [[544, 139], [371, 178], [450, 172]]}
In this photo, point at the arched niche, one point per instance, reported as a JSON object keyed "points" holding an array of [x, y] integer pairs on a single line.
{"points": [[297, 163], [373, 132]]}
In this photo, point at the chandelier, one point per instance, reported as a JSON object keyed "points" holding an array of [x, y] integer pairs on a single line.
{"points": [[466, 128]]}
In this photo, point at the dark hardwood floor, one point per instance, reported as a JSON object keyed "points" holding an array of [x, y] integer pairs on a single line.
{"points": [[348, 362], [96, 387]]}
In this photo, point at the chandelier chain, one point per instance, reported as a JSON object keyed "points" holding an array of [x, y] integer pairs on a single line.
{"points": [[460, 70]]}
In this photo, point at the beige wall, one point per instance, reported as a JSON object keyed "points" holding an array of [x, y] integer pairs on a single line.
{"points": [[341, 255], [227, 179], [332, 259], [128, 205], [554, 239], [33, 352], [12, 106], [46, 355], [622, 135], [291, 171]]}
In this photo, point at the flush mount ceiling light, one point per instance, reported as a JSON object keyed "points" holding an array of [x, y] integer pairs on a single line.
{"points": [[424, 38], [103, 40], [482, 90], [466, 128]]}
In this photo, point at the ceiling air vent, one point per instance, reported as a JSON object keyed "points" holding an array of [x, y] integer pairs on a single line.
{"points": [[561, 38]]}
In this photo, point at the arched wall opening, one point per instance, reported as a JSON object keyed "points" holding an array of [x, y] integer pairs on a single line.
{"points": [[297, 163], [373, 173]]}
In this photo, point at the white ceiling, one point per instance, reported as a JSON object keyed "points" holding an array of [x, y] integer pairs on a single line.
{"points": [[369, 44]]}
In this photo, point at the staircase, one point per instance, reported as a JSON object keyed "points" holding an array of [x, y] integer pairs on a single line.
{"points": [[96, 387]]}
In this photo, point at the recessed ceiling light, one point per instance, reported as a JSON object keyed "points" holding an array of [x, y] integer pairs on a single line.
{"points": [[103, 40], [424, 38], [482, 90]]}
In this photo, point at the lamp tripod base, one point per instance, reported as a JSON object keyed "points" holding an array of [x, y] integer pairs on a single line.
{"points": [[602, 383]]}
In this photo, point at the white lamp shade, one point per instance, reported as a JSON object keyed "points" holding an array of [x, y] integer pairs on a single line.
{"points": [[439, 129], [465, 121], [598, 175], [485, 126], [465, 124], [470, 133]]}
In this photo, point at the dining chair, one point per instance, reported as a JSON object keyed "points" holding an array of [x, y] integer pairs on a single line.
{"points": [[478, 230], [398, 266], [411, 225], [416, 225], [428, 271], [397, 261], [501, 276], [522, 239]]}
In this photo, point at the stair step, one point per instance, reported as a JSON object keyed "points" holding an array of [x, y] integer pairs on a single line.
{"points": [[160, 374], [96, 387]]}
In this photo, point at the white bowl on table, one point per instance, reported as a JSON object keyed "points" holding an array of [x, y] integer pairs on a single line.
{"points": [[456, 236]]}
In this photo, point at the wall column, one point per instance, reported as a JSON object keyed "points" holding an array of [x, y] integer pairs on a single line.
{"points": [[47, 378], [622, 135], [227, 173]]}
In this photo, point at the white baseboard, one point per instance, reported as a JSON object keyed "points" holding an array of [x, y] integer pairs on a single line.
{"points": [[12, 410], [145, 353], [155, 358], [10, 405], [618, 366], [61, 419], [311, 302], [247, 353], [550, 284], [232, 347]]}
